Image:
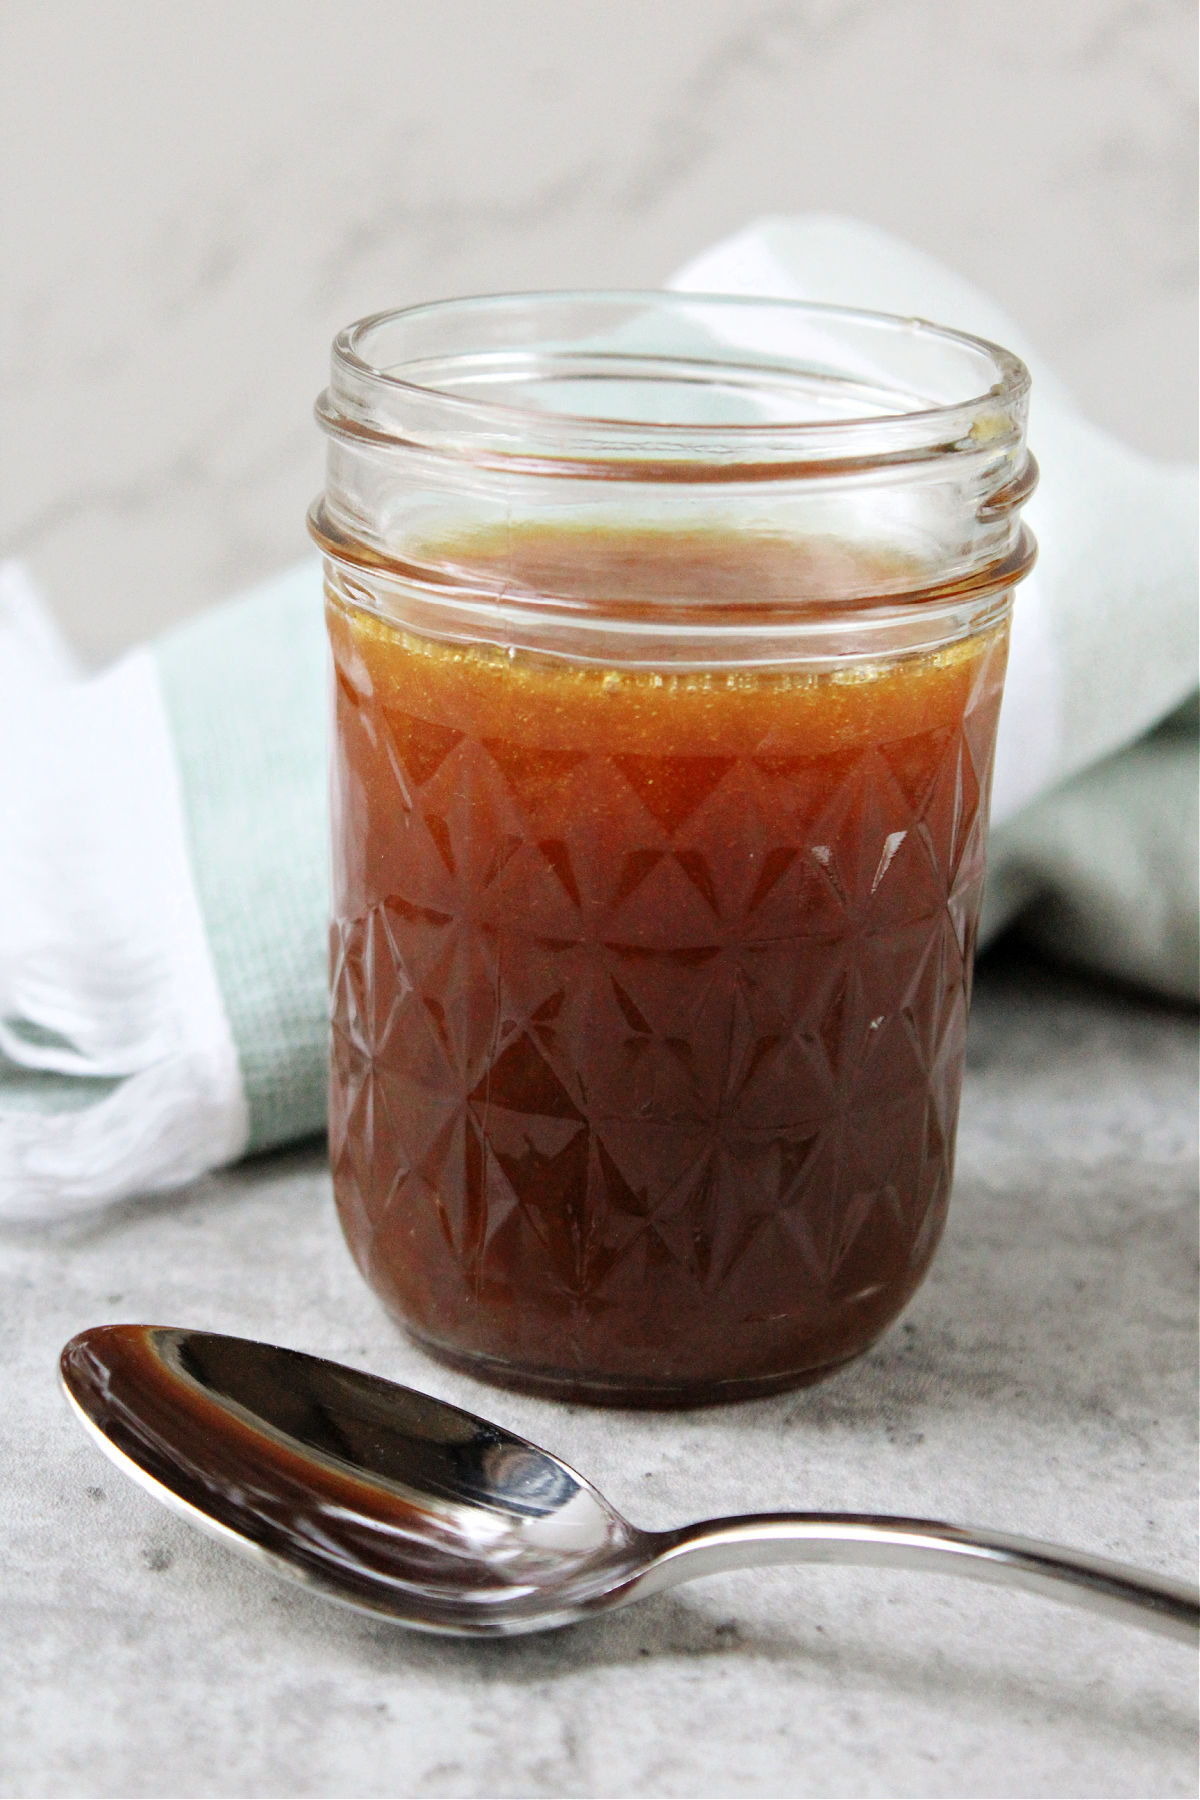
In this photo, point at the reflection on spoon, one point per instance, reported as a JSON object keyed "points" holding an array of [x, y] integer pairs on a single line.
{"points": [[399, 1504]]}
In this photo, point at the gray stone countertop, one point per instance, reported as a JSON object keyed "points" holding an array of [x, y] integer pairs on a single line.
{"points": [[1043, 1381]]}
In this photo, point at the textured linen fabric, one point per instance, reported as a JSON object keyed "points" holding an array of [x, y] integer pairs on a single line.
{"points": [[1102, 872], [195, 1019], [244, 688]]}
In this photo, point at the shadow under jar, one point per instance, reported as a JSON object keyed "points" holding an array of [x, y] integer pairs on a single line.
{"points": [[668, 638]]}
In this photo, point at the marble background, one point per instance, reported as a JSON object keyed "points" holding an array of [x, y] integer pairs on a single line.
{"points": [[197, 194]]}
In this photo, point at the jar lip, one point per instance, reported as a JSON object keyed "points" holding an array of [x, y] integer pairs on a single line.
{"points": [[364, 394]]}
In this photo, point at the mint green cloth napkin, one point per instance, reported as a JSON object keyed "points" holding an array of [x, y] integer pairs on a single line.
{"points": [[244, 687], [163, 904]]}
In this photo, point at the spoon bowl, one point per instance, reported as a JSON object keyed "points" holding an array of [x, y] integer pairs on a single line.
{"points": [[398, 1504], [380, 1496]]}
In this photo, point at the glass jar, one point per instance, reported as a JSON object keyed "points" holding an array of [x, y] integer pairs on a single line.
{"points": [[668, 639]]}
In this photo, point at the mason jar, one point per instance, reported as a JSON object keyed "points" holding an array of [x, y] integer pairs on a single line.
{"points": [[668, 637]]}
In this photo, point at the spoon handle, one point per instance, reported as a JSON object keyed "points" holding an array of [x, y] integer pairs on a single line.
{"points": [[1155, 1602]]}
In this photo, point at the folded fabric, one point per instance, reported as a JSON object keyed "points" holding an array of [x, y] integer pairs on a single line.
{"points": [[1104, 636], [162, 897]]}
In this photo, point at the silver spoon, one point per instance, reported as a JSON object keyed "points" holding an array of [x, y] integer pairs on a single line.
{"points": [[396, 1503]]}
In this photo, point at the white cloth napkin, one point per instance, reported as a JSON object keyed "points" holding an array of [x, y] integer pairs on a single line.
{"points": [[162, 892]]}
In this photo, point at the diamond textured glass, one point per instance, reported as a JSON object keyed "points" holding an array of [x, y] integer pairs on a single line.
{"points": [[668, 641]]}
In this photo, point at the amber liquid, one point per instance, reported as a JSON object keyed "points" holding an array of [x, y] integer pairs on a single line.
{"points": [[650, 993]]}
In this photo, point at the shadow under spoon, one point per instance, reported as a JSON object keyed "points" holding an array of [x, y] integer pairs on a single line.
{"points": [[399, 1504]]}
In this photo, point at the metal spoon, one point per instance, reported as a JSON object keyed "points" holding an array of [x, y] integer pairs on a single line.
{"points": [[396, 1503]]}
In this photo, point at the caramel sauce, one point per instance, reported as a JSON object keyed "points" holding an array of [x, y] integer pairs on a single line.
{"points": [[650, 985]]}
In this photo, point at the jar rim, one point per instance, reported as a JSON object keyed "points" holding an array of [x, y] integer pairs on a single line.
{"points": [[378, 394]]}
